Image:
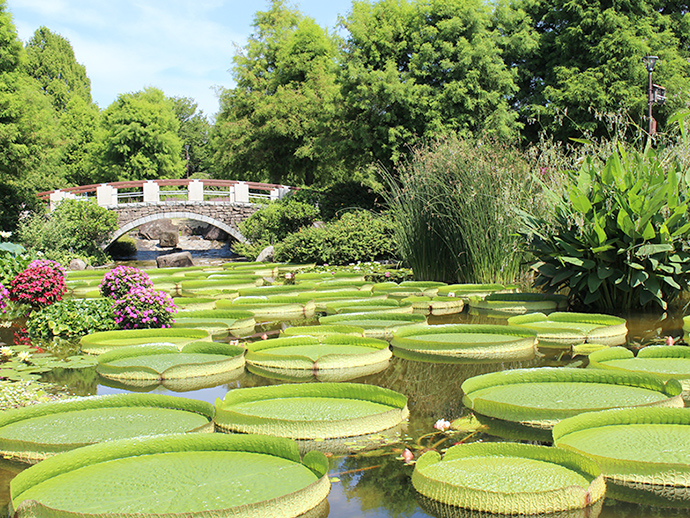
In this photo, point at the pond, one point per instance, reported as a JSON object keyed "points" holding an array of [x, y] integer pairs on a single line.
{"points": [[375, 482]]}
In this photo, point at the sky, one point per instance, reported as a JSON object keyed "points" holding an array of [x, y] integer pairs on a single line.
{"points": [[183, 47]]}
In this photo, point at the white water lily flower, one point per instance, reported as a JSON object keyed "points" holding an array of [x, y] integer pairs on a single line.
{"points": [[6, 351], [24, 356], [442, 425]]}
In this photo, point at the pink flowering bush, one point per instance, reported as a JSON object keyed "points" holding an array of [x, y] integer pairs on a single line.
{"points": [[40, 284], [144, 308], [4, 297], [120, 280]]}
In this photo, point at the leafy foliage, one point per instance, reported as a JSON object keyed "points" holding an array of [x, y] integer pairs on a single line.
{"points": [[13, 259], [71, 318], [141, 140], [356, 236], [275, 125], [194, 132], [619, 233], [75, 228]]}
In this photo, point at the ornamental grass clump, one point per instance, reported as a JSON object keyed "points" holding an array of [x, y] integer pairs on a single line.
{"points": [[40, 284], [120, 280], [144, 308]]}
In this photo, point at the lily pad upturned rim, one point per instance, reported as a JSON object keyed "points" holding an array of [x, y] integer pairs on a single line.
{"points": [[33, 451], [321, 330], [599, 359], [547, 417], [234, 360], [506, 502], [629, 471], [261, 353], [102, 341], [228, 420], [297, 503], [523, 347]]}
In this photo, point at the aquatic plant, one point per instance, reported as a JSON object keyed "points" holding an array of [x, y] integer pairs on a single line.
{"points": [[71, 318], [120, 280]]}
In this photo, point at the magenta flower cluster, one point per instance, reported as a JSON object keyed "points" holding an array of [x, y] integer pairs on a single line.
{"points": [[40, 284], [4, 297], [144, 308], [120, 280], [137, 305]]}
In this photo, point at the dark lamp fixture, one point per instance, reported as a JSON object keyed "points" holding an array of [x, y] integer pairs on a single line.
{"points": [[650, 62]]}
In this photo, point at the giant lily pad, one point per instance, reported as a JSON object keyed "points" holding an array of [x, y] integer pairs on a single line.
{"points": [[542, 397], [435, 305], [368, 304], [30, 434], [330, 353], [463, 341], [465, 291], [175, 476], [647, 449], [565, 329], [509, 478], [236, 322], [375, 324], [143, 365], [510, 304], [667, 361], [265, 310], [98, 343], [321, 330], [311, 410]]}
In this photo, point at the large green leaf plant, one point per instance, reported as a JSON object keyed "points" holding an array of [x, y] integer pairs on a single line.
{"points": [[617, 239]]}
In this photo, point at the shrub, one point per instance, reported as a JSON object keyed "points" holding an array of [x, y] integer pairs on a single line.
{"points": [[75, 228], [13, 259], [144, 308], [356, 236], [120, 280], [71, 318], [617, 239], [454, 209], [40, 284]]}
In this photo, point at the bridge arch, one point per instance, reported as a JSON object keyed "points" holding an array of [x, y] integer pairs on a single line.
{"points": [[174, 215]]}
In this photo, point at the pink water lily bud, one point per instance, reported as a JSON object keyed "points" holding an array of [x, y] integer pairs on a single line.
{"points": [[407, 456], [442, 425], [670, 340]]}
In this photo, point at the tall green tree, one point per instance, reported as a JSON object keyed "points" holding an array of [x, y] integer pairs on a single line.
{"points": [[140, 138], [422, 69], [580, 60], [194, 132], [50, 60], [278, 123], [27, 130]]}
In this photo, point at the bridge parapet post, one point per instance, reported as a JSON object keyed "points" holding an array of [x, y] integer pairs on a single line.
{"points": [[241, 193], [57, 196], [151, 192], [279, 192], [106, 195], [196, 190]]}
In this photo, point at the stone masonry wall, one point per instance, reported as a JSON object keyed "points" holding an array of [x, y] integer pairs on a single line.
{"points": [[229, 213]]}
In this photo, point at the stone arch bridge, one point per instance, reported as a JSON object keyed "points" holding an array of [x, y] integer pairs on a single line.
{"points": [[221, 203]]}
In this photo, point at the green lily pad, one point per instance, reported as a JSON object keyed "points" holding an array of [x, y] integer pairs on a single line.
{"points": [[509, 478], [510, 304], [311, 410], [464, 341], [647, 449], [322, 330], [435, 305], [30, 434], [98, 343], [174, 476], [541, 397], [375, 324], [565, 329]]}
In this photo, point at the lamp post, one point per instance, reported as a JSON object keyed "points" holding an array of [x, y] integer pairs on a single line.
{"points": [[650, 62]]}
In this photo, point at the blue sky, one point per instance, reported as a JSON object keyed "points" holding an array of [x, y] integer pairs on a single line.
{"points": [[183, 47]]}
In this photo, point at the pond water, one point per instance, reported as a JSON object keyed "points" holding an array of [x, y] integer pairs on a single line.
{"points": [[375, 482]]}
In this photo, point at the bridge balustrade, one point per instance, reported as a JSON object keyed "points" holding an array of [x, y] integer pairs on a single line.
{"points": [[114, 194]]}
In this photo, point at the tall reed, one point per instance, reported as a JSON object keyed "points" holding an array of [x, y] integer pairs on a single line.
{"points": [[453, 205]]}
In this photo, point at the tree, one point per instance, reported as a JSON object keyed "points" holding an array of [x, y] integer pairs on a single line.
{"points": [[580, 60], [50, 60], [422, 69], [194, 132], [140, 138], [277, 124]]}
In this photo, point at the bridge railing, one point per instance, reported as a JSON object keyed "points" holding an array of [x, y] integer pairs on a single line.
{"points": [[160, 191]]}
